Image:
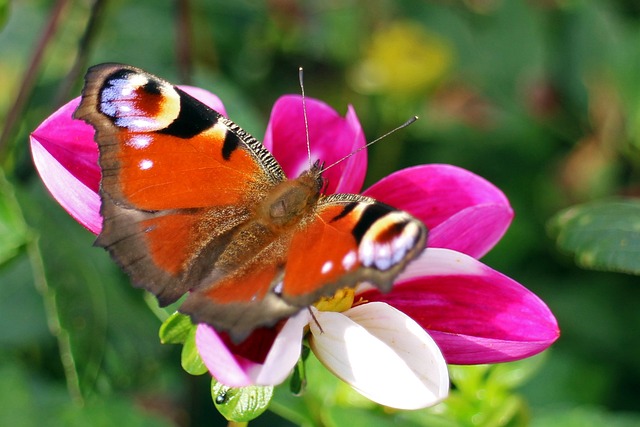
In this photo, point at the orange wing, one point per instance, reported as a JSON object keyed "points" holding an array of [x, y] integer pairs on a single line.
{"points": [[177, 176]]}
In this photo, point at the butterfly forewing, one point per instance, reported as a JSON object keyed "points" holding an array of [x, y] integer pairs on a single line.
{"points": [[177, 176]]}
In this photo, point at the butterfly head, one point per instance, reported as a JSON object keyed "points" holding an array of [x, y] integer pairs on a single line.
{"points": [[316, 171]]}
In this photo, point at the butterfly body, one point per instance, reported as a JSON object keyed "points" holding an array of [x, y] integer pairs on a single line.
{"points": [[192, 204]]}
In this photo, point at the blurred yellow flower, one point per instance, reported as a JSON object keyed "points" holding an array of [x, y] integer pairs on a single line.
{"points": [[402, 58]]}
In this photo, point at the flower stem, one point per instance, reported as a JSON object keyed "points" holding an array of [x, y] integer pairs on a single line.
{"points": [[84, 45], [183, 40], [53, 321]]}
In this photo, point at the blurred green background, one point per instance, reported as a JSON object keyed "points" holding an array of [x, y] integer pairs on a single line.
{"points": [[541, 97]]}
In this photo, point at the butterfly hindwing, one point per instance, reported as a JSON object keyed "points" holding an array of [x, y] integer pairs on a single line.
{"points": [[351, 239]]}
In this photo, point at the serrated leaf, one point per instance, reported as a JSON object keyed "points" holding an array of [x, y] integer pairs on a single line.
{"points": [[175, 329], [191, 360], [602, 235], [241, 404]]}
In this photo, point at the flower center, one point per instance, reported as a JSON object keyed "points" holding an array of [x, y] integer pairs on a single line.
{"points": [[342, 300]]}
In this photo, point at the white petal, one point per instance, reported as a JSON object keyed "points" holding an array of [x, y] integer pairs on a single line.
{"points": [[382, 353], [441, 262], [284, 352]]}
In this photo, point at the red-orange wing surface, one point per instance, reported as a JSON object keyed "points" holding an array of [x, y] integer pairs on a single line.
{"points": [[353, 239]]}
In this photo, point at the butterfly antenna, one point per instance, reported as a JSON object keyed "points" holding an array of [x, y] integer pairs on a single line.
{"points": [[304, 113], [402, 126]]}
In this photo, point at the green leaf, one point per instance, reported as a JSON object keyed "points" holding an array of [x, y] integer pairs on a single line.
{"points": [[585, 417], [4, 12], [191, 360], [299, 377], [175, 329], [240, 404], [13, 231], [107, 328], [508, 376], [602, 235], [335, 416], [30, 401]]}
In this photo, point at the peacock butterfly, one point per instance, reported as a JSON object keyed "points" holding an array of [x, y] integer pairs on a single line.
{"points": [[191, 203]]}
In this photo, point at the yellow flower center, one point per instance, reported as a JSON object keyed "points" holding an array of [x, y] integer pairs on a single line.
{"points": [[341, 301]]}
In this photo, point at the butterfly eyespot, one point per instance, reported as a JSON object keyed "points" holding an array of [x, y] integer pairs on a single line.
{"points": [[136, 102]]}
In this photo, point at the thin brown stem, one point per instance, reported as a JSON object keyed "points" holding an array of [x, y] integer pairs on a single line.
{"points": [[84, 47], [24, 93], [183, 40]]}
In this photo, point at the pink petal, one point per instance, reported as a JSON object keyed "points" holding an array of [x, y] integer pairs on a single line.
{"points": [[475, 314], [284, 353], [82, 202], [473, 231], [331, 138], [222, 364], [206, 98], [463, 211], [236, 371], [70, 143], [66, 157]]}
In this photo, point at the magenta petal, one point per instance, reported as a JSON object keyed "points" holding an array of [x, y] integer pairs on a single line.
{"points": [[82, 202], [475, 314], [71, 143], [463, 211], [472, 231], [206, 98], [331, 138], [66, 157]]}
